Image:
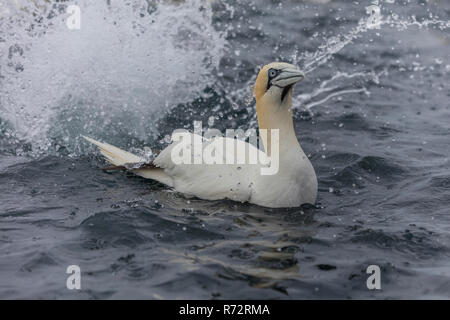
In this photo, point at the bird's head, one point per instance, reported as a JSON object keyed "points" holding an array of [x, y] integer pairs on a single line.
{"points": [[275, 81]]}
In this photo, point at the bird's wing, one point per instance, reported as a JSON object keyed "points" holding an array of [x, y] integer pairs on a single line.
{"points": [[116, 156], [125, 160], [212, 181], [207, 181]]}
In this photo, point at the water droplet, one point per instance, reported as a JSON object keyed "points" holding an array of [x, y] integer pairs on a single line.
{"points": [[211, 121]]}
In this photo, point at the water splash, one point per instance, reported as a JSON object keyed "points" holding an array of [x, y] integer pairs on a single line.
{"points": [[339, 84], [129, 62], [334, 87], [309, 61], [116, 74]]}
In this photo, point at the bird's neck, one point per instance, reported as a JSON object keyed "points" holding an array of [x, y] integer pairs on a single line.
{"points": [[274, 115]]}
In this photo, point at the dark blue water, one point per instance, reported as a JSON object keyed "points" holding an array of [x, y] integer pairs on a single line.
{"points": [[372, 114]]}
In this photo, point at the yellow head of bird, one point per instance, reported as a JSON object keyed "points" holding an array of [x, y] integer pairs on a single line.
{"points": [[275, 81]]}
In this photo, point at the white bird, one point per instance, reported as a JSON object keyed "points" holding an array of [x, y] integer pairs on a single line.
{"points": [[295, 182]]}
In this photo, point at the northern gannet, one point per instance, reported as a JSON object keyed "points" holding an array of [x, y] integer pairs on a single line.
{"points": [[293, 184]]}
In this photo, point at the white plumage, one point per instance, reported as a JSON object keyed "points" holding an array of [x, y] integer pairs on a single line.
{"points": [[294, 183]]}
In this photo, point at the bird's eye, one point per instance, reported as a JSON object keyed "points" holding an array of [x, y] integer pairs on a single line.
{"points": [[272, 73]]}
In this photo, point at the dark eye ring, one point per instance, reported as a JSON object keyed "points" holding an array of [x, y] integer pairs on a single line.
{"points": [[272, 73]]}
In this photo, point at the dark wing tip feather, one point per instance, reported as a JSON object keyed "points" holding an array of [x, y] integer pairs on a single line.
{"points": [[131, 166]]}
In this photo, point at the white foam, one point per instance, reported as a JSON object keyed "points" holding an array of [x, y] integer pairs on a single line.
{"points": [[119, 62]]}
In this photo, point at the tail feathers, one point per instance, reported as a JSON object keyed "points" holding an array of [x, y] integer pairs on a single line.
{"points": [[122, 159], [116, 156]]}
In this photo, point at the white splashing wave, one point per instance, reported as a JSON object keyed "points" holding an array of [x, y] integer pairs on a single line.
{"points": [[124, 65]]}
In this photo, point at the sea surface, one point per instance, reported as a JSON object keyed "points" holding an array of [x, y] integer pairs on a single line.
{"points": [[373, 115]]}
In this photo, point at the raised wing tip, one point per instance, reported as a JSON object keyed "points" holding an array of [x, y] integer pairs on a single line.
{"points": [[90, 139], [97, 143]]}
